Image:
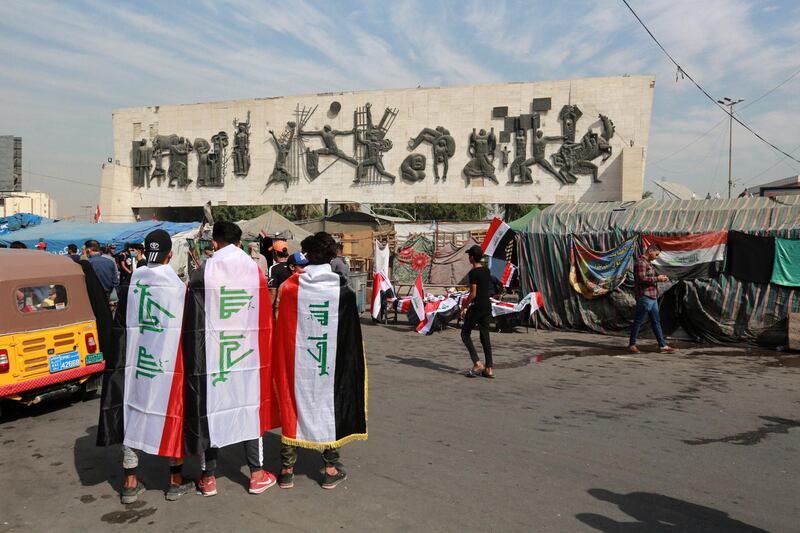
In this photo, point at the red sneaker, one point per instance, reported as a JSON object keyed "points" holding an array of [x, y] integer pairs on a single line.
{"points": [[261, 481], [207, 486]]}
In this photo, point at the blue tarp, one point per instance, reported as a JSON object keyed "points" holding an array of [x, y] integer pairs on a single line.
{"points": [[59, 235], [20, 221]]}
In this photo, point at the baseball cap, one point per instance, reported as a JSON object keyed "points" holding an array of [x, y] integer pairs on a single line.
{"points": [[157, 246], [475, 251], [42, 245], [297, 258], [279, 245]]}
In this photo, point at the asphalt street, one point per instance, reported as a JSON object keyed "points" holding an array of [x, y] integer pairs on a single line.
{"points": [[574, 434]]}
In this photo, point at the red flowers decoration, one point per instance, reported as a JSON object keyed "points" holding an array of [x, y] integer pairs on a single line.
{"points": [[419, 262]]}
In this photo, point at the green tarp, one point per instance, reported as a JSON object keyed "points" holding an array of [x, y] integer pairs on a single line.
{"points": [[786, 270], [521, 224]]}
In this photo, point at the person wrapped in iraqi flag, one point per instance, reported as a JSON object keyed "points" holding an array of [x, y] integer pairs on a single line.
{"points": [[143, 386], [228, 360], [320, 369]]}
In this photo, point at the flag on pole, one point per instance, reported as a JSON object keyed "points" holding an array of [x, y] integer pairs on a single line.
{"points": [[418, 302], [380, 284], [499, 240], [228, 347], [508, 274], [97, 217], [320, 369], [142, 403]]}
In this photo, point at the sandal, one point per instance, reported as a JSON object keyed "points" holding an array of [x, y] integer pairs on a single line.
{"points": [[472, 373], [485, 374]]}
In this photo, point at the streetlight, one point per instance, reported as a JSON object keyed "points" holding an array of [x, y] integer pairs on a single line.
{"points": [[727, 102]]}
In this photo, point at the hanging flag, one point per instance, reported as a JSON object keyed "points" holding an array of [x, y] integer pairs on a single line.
{"points": [[694, 256], [534, 299], [437, 314], [508, 274], [418, 302], [499, 241], [380, 284], [228, 363], [143, 389], [97, 217], [402, 305], [320, 369], [594, 273]]}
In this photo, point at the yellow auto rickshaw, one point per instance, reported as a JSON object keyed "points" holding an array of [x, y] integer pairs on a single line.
{"points": [[49, 346]]}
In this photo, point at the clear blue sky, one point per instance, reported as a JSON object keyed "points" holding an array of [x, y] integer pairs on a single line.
{"points": [[66, 64]]}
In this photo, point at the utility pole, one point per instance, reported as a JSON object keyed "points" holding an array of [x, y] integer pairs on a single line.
{"points": [[727, 102]]}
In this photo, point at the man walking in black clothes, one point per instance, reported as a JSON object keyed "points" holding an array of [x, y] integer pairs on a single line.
{"points": [[476, 311]]}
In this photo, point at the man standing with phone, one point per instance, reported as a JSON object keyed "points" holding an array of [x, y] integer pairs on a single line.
{"points": [[647, 299]]}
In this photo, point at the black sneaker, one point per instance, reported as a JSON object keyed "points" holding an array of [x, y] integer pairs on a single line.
{"points": [[176, 491], [330, 481], [129, 495], [286, 481]]}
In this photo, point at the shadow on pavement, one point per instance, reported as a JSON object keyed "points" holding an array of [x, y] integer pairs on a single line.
{"points": [[424, 363], [656, 513], [774, 425]]}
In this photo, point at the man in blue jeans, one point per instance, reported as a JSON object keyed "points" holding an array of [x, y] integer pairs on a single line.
{"points": [[647, 299]]}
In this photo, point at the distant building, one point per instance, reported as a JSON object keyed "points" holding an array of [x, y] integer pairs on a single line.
{"points": [[36, 202], [781, 187], [10, 163]]}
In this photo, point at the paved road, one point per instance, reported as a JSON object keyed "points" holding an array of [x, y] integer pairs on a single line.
{"points": [[581, 438]]}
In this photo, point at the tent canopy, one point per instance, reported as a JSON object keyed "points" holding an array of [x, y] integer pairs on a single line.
{"points": [[19, 221], [719, 309], [272, 224], [521, 224], [60, 234]]}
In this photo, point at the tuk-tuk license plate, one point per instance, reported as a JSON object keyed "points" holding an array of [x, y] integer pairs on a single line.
{"points": [[64, 361]]}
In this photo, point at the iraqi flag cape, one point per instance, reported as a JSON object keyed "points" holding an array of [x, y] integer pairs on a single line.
{"points": [[143, 387], [699, 255], [320, 369], [228, 353]]}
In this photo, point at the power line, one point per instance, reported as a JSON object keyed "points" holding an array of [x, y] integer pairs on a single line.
{"points": [[718, 124], [781, 84], [713, 100], [781, 160]]}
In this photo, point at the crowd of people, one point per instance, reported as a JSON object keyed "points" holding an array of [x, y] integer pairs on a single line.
{"points": [[141, 364]]}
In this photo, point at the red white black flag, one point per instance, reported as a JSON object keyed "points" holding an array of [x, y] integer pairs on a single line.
{"points": [[228, 347], [508, 274], [142, 404], [320, 369], [380, 284], [499, 241]]}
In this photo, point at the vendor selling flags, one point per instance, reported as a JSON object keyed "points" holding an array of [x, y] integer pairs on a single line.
{"points": [[320, 370], [142, 399]]}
